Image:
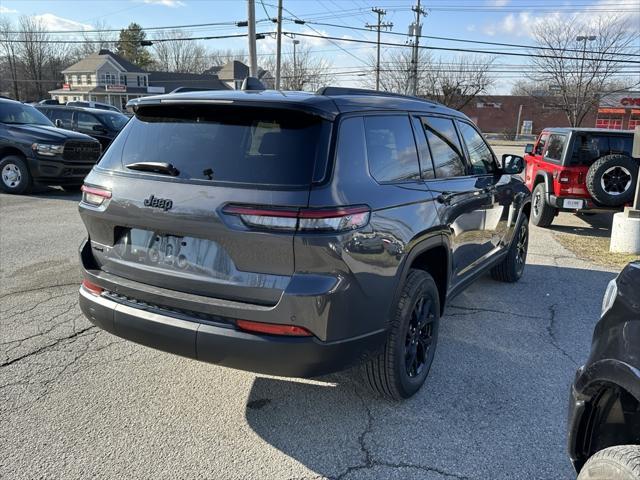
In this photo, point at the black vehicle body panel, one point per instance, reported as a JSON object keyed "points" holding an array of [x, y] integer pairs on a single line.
{"points": [[70, 168], [614, 362], [341, 286]]}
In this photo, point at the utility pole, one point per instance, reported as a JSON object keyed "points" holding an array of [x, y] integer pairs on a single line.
{"points": [[518, 123], [279, 45], [381, 13], [417, 31], [253, 62], [295, 64]]}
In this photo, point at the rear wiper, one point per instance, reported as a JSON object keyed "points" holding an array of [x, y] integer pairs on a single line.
{"points": [[155, 167]]}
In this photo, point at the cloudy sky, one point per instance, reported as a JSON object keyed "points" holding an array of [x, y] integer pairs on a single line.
{"points": [[505, 21]]}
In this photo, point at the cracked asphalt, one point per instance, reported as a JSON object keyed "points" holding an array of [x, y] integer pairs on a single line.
{"points": [[76, 402]]}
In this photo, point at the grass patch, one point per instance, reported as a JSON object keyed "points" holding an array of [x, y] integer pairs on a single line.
{"points": [[594, 249]]}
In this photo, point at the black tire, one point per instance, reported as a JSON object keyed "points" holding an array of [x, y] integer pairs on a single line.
{"points": [[411, 334], [542, 214], [621, 462], [611, 180], [512, 267], [15, 177]]}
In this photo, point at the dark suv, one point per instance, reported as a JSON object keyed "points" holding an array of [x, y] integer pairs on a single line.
{"points": [[102, 125], [32, 150], [296, 234], [578, 170]]}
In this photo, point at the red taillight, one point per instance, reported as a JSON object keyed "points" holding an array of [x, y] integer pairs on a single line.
{"points": [[337, 219], [92, 287], [94, 196], [273, 328]]}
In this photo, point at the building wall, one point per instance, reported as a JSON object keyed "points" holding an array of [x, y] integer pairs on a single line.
{"points": [[499, 114]]}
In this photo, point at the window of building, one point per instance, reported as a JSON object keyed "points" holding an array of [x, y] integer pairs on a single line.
{"points": [[145, 80], [444, 146], [123, 79], [555, 147], [634, 121], [488, 105], [480, 155], [391, 149], [612, 123], [138, 78]]}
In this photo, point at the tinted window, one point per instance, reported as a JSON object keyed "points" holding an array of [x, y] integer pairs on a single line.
{"points": [[621, 144], [480, 155], [426, 164], [60, 114], [444, 146], [226, 144], [115, 121], [21, 114], [587, 148], [86, 121], [555, 147], [391, 149]]}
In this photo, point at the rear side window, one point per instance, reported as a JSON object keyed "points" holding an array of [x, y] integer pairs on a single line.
{"points": [[256, 146], [86, 121], [391, 149], [555, 147], [444, 146]]}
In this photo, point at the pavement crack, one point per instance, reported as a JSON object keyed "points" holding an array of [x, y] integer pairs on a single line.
{"points": [[37, 289], [370, 462], [551, 327], [48, 346], [472, 310]]}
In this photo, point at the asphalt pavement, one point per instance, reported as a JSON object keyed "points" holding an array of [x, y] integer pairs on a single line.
{"points": [[77, 403]]}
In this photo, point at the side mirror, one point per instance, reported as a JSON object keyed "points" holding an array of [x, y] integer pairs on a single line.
{"points": [[99, 129], [528, 148], [512, 164], [58, 123]]}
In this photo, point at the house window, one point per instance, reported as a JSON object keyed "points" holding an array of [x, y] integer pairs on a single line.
{"points": [[145, 81], [84, 80], [123, 79], [138, 78]]}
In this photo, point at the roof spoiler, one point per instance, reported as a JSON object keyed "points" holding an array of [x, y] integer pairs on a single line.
{"points": [[252, 83]]}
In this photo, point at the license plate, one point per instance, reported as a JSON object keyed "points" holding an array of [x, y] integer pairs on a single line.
{"points": [[572, 204]]}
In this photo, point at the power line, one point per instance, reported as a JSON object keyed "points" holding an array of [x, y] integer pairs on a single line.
{"points": [[448, 49], [476, 42]]}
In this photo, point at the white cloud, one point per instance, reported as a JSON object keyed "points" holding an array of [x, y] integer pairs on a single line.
{"points": [[166, 3], [53, 22], [7, 10]]}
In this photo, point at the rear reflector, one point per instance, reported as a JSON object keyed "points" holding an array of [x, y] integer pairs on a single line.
{"points": [[92, 287], [273, 328], [94, 196], [306, 219]]}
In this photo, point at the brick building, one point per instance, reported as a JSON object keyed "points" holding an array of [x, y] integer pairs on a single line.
{"points": [[499, 113]]}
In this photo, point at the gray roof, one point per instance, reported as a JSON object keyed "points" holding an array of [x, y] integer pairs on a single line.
{"points": [[170, 81], [94, 61]]}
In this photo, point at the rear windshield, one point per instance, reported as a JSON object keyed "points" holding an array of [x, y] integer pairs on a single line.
{"points": [[230, 144], [587, 147]]}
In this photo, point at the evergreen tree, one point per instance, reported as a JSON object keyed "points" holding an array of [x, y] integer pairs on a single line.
{"points": [[130, 46]]}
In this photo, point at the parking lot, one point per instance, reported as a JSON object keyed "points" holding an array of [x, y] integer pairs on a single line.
{"points": [[76, 402]]}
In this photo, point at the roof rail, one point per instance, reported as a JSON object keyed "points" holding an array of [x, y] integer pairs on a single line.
{"points": [[337, 91]]}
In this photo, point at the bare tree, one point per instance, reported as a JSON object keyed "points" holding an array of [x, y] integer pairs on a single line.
{"points": [[174, 54], [579, 61], [96, 39], [35, 52], [307, 73], [217, 58], [453, 82], [9, 50]]}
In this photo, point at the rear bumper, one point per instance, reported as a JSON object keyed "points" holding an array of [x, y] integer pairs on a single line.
{"points": [[587, 205], [226, 345]]}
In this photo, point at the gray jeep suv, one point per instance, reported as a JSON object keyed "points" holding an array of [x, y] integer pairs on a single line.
{"points": [[297, 234]]}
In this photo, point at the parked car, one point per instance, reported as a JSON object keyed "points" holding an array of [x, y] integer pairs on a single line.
{"points": [[297, 234], [98, 105], [604, 410], [48, 101], [578, 170], [32, 150], [100, 124]]}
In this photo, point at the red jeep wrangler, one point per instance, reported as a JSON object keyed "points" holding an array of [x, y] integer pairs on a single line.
{"points": [[579, 169]]}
